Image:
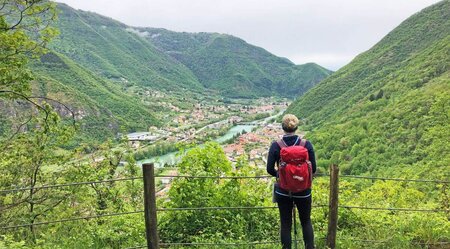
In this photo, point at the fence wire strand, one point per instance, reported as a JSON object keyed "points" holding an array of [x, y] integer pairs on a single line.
{"points": [[71, 219], [211, 244], [397, 209], [6, 191], [213, 177], [316, 175], [277, 242], [213, 208], [220, 244], [387, 241], [393, 179]]}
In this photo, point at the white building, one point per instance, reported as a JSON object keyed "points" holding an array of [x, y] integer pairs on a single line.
{"points": [[142, 136]]}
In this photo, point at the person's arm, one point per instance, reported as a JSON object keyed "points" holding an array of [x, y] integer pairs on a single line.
{"points": [[311, 155], [272, 158]]}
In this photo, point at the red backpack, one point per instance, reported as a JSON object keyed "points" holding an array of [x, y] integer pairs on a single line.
{"points": [[295, 169]]}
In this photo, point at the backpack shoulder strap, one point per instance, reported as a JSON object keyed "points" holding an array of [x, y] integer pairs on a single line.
{"points": [[303, 142], [281, 143]]}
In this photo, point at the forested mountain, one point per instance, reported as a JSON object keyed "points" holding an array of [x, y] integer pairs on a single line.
{"points": [[168, 60], [233, 66], [100, 105], [105, 71], [97, 105], [112, 50], [386, 114], [388, 110]]}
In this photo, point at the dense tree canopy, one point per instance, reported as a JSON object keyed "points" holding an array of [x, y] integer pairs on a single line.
{"points": [[24, 32]]}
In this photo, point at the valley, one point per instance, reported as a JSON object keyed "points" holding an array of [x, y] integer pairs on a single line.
{"points": [[86, 99], [244, 129]]}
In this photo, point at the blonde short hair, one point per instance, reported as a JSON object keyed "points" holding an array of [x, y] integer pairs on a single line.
{"points": [[289, 123]]}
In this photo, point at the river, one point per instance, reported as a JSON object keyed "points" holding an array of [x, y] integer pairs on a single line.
{"points": [[172, 158]]}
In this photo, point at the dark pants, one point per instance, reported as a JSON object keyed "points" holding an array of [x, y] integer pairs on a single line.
{"points": [[285, 205]]}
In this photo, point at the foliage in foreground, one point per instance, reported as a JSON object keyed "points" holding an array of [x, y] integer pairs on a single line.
{"points": [[396, 229], [216, 225], [35, 159]]}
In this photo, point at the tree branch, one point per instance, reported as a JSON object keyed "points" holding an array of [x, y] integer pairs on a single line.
{"points": [[21, 16], [28, 98], [18, 51], [60, 103], [3, 5], [3, 208], [16, 132], [48, 209]]}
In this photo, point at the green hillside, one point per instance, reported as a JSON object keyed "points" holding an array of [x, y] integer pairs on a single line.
{"points": [[167, 60], [234, 67], [386, 114], [113, 50], [388, 110], [104, 70], [101, 107]]}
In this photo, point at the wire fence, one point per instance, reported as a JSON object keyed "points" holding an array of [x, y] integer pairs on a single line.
{"points": [[316, 175], [6, 191], [224, 244], [70, 184], [395, 179], [214, 209], [273, 242], [71, 219], [411, 242], [230, 244], [18, 189]]}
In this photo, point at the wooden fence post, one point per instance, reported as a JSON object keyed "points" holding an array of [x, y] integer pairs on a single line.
{"points": [[333, 206], [151, 225]]}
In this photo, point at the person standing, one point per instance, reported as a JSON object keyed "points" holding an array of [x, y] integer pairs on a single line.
{"points": [[287, 199]]}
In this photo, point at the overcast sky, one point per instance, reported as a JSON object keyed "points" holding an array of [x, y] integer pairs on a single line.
{"points": [[328, 32]]}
